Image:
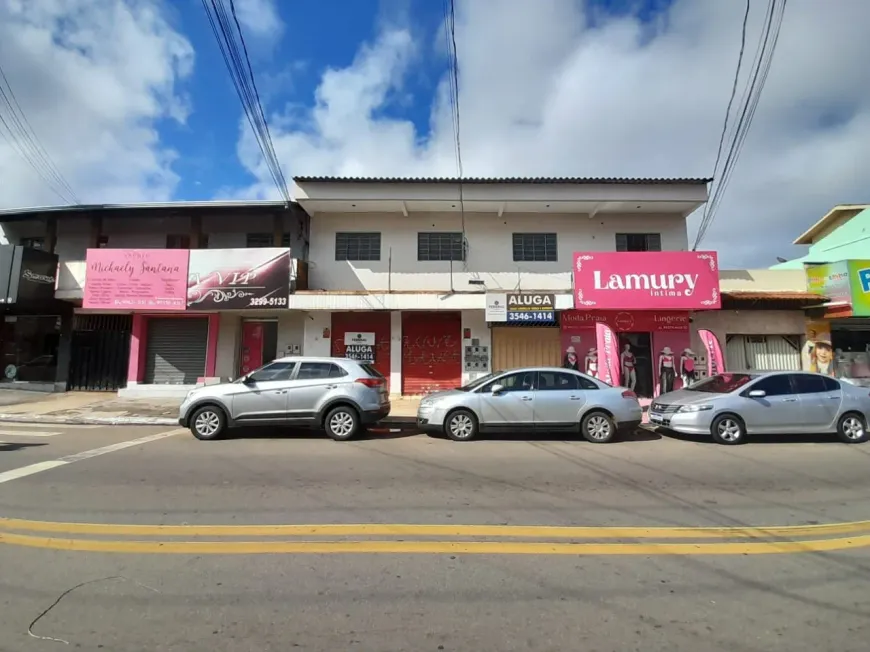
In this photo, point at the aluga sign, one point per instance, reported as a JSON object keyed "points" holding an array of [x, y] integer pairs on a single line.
{"points": [[660, 280]]}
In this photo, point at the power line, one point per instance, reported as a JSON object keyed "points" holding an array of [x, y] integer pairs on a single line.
{"points": [[749, 102], [453, 93], [20, 135], [227, 31]]}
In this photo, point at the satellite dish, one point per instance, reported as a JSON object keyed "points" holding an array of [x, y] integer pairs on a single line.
{"points": [[780, 259]]}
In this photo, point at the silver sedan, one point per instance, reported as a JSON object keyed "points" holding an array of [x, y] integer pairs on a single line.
{"points": [[730, 406], [529, 400]]}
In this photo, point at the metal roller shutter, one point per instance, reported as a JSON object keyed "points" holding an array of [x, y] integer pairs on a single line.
{"points": [[364, 322], [431, 351], [176, 351], [514, 347], [763, 353]]}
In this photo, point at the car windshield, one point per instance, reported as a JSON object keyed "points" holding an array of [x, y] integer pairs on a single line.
{"points": [[721, 383], [478, 382], [371, 371]]}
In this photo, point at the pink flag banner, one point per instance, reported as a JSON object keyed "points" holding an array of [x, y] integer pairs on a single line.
{"points": [[715, 359], [608, 355]]}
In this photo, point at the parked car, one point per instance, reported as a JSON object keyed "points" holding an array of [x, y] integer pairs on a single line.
{"points": [[336, 394], [530, 400], [730, 406]]}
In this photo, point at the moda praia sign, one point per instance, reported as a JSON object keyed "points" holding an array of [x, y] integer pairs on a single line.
{"points": [[673, 280], [138, 279]]}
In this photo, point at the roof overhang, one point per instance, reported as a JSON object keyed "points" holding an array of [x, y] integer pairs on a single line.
{"points": [[499, 196], [147, 209], [809, 236]]}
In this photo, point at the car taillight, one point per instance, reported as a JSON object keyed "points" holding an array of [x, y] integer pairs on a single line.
{"points": [[628, 394], [371, 382]]}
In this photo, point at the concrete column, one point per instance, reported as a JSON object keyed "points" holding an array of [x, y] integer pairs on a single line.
{"points": [[396, 352], [314, 343], [481, 335]]}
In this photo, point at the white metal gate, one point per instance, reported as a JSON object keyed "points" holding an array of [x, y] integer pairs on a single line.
{"points": [[763, 352]]}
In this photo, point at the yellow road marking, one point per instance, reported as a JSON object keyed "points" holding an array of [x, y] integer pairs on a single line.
{"points": [[412, 530], [432, 547]]}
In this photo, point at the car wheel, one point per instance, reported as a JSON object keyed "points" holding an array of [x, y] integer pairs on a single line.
{"points": [[342, 423], [208, 423], [461, 426], [852, 428], [598, 428], [728, 429]]}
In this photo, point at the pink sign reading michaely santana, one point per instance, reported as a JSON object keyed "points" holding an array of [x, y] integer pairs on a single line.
{"points": [[136, 279], [667, 280]]}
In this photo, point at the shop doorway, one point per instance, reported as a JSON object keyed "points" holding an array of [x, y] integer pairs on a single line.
{"points": [[641, 347], [259, 344]]}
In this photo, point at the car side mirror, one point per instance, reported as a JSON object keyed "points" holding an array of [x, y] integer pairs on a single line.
{"points": [[757, 393], [247, 380], [497, 389]]}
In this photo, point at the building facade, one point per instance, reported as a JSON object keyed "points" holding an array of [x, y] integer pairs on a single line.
{"points": [[433, 282]]}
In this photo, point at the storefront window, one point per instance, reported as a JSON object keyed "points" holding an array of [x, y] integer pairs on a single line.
{"points": [[29, 347], [851, 353]]}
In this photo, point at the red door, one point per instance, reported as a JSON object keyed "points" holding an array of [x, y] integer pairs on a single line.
{"points": [[431, 351], [252, 347], [364, 322]]}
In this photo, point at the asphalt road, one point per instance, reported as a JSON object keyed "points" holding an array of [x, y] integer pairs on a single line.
{"points": [[615, 574]]}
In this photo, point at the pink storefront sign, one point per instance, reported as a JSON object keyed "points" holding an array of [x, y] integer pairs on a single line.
{"points": [[136, 279], [672, 280]]}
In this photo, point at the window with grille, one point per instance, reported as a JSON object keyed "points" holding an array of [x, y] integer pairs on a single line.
{"points": [[638, 241], [33, 243], [440, 247], [257, 240], [535, 248], [357, 246]]}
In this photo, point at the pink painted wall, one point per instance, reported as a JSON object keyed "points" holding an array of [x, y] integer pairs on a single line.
{"points": [[139, 343]]}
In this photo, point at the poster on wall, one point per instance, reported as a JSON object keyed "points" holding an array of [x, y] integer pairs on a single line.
{"points": [[672, 280], [608, 368], [715, 359], [360, 347], [239, 279], [136, 279], [817, 354]]}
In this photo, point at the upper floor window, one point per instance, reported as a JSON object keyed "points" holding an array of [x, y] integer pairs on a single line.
{"points": [[182, 241], [357, 246], [257, 240], [440, 246], [33, 243], [535, 248], [638, 241]]}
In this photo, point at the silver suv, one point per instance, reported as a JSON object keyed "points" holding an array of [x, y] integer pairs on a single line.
{"points": [[336, 394]]}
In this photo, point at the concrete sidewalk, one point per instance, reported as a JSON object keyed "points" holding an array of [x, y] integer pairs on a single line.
{"points": [[103, 408]]}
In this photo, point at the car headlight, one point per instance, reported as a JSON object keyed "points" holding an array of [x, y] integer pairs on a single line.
{"points": [[426, 403], [695, 408]]}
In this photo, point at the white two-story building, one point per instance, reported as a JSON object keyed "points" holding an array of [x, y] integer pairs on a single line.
{"points": [[406, 265]]}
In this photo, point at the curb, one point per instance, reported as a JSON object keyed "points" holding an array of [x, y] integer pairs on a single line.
{"points": [[88, 421], [387, 426]]}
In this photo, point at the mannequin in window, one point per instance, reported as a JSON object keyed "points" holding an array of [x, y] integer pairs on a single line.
{"points": [[687, 367], [592, 363], [571, 361], [667, 372], [627, 363]]}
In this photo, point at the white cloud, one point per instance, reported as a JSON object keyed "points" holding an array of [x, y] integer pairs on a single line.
{"points": [[93, 77], [544, 94], [260, 17]]}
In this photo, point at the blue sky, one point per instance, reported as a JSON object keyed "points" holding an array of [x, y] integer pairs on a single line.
{"points": [[316, 36], [133, 102]]}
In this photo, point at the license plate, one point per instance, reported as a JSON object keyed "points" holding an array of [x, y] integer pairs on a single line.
{"points": [[656, 418]]}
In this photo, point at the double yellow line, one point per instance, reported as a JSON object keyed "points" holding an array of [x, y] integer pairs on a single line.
{"points": [[433, 539]]}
